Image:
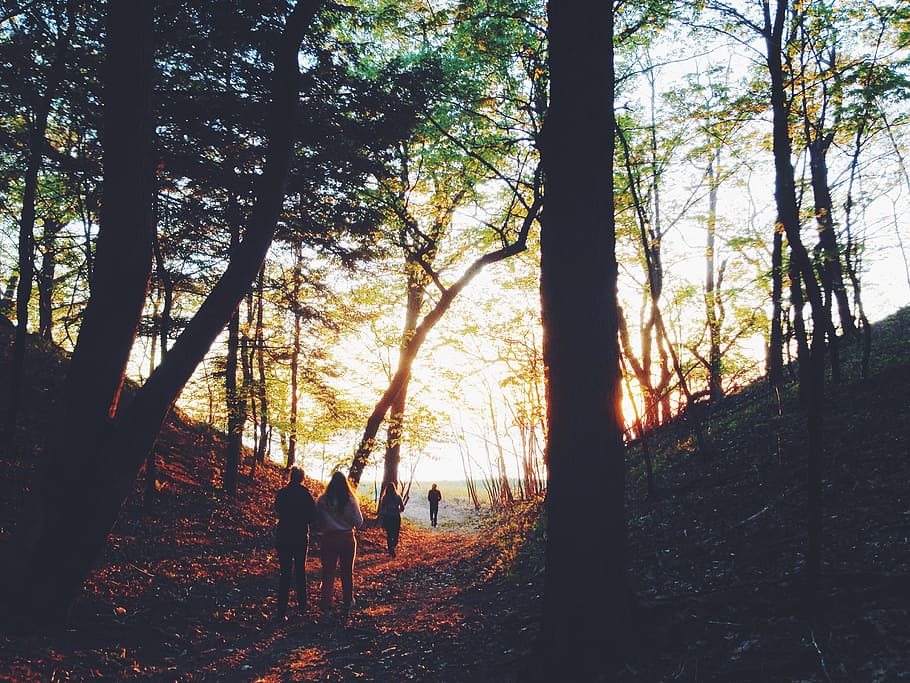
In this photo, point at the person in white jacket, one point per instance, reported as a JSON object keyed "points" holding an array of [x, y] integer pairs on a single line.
{"points": [[338, 514]]}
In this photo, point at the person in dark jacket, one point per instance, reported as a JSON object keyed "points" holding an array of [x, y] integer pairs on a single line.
{"points": [[295, 509], [434, 495], [390, 508]]}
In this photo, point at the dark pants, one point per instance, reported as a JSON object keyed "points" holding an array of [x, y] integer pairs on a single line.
{"points": [[392, 526], [434, 513], [292, 560]]}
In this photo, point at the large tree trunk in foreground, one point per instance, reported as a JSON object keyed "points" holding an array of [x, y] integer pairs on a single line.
{"points": [[714, 276], [92, 467], [66, 509], [585, 605]]}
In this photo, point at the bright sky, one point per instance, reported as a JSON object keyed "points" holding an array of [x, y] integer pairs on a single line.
{"points": [[455, 385]]}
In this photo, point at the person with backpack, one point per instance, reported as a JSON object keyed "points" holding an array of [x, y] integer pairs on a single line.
{"points": [[295, 510], [389, 509]]}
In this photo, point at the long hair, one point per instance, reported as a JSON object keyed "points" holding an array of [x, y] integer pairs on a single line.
{"points": [[338, 491], [388, 489]]}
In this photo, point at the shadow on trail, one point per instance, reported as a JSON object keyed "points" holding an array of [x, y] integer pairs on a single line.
{"points": [[409, 610]]}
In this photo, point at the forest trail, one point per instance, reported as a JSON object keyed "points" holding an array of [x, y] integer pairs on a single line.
{"points": [[192, 598], [408, 608], [186, 591]]}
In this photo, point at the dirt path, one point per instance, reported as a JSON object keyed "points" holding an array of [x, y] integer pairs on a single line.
{"points": [[404, 615], [183, 606]]}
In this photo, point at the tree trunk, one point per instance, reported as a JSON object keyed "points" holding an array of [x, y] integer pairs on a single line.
{"points": [[166, 287], [416, 292], [812, 357], [851, 247], [234, 397], [714, 308], [655, 396], [775, 361], [72, 509], [831, 270], [6, 296], [295, 357], [233, 403], [46, 277], [247, 355], [92, 466], [160, 331], [829, 267], [263, 446], [581, 353]]}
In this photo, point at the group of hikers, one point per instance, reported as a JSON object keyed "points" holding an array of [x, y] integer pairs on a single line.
{"points": [[336, 514]]}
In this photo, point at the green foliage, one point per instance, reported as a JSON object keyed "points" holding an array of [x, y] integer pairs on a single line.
{"points": [[518, 537]]}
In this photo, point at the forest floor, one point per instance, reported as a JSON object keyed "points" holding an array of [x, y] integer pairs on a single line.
{"points": [[186, 591], [190, 596]]}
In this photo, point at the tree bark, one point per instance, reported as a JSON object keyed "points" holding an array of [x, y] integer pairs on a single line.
{"points": [[261, 389], [714, 305], [62, 528], [775, 360], [233, 401], [416, 284], [811, 357], [166, 288], [581, 353], [92, 467], [656, 396], [295, 357], [45, 277], [829, 267]]}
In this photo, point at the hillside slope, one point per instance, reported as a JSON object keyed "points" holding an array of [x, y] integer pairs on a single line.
{"points": [[188, 453], [185, 593], [717, 553]]}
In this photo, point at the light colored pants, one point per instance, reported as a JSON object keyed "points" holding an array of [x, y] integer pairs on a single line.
{"points": [[337, 549]]}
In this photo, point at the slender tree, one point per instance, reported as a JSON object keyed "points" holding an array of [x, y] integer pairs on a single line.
{"points": [[295, 355], [778, 25]]}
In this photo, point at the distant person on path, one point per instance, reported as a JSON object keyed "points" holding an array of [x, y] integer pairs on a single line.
{"points": [[434, 495], [295, 510], [338, 515], [389, 509]]}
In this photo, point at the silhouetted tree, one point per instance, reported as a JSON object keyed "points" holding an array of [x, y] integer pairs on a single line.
{"points": [[92, 464], [585, 604]]}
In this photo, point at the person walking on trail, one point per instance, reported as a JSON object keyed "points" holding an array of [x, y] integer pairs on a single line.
{"points": [[390, 508], [338, 514], [434, 495], [295, 510]]}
